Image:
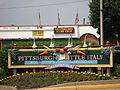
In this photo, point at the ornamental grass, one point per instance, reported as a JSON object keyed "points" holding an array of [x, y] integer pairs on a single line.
{"points": [[46, 78]]}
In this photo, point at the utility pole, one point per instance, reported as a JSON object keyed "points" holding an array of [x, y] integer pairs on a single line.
{"points": [[101, 22], [100, 71], [101, 35]]}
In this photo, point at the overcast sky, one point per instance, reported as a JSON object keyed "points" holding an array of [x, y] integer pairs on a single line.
{"points": [[25, 12]]}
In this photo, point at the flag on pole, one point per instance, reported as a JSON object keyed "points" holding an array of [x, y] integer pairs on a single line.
{"points": [[76, 18], [58, 18]]}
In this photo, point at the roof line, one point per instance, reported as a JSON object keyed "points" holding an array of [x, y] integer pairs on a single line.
{"points": [[42, 25]]}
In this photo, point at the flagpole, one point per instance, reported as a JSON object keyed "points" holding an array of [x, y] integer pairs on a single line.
{"points": [[39, 16], [77, 16], [58, 17]]}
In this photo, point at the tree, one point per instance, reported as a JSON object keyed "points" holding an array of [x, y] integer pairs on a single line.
{"points": [[4, 71], [111, 17]]}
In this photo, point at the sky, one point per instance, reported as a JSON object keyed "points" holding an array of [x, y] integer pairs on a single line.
{"points": [[26, 12]]}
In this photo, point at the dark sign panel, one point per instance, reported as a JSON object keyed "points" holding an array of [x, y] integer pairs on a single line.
{"points": [[30, 58], [63, 30]]}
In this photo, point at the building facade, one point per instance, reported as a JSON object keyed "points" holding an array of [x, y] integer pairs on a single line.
{"points": [[26, 32]]}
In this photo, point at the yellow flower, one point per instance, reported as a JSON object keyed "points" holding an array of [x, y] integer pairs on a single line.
{"points": [[75, 71], [58, 71], [96, 74], [31, 72], [13, 75], [5, 78], [100, 75], [84, 73], [72, 71], [104, 75], [65, 71], [9, 77], [92, 73], [26, 71], [22, 73], [62, 72], [18, 74], [69, 71]]}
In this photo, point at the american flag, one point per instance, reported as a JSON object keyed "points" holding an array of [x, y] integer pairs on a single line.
{"points": [[76, 18]]}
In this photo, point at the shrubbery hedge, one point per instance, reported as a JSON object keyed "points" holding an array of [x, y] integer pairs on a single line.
{"points": [[47, 43], [116, 69]]}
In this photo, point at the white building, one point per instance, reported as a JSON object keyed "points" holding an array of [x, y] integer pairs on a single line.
{"points": [[48, 31]]}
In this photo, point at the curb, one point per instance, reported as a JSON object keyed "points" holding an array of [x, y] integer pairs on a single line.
{"points": [[83, 87]]}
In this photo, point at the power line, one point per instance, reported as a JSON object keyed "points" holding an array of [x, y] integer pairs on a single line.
{"points": [[44, 5]]}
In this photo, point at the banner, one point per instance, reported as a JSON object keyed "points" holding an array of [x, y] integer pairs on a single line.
{"points": [[37, 33]]}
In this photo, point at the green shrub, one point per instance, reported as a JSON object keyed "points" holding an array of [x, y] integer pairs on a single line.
{"points": [[47, 43], [116, 70], [4, 71]]}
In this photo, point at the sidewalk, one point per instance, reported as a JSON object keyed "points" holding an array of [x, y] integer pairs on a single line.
{"points": [[85, 85], [3, 87]]}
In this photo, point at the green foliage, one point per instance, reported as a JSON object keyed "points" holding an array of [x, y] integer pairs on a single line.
{"points": [[3, 58], [4, 71], [111, 16], [94, 13], [47, 43], [117, 69], [47, 78]]}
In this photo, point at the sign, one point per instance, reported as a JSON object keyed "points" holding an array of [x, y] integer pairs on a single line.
{"points": [[37, 33], [62, 65], [63, 30], [27, 58]]}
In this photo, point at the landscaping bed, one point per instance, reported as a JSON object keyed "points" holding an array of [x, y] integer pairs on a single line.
{"points": [[47, 78]]}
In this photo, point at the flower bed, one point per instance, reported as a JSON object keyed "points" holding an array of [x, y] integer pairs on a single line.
{"points": [[46, 78]]}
